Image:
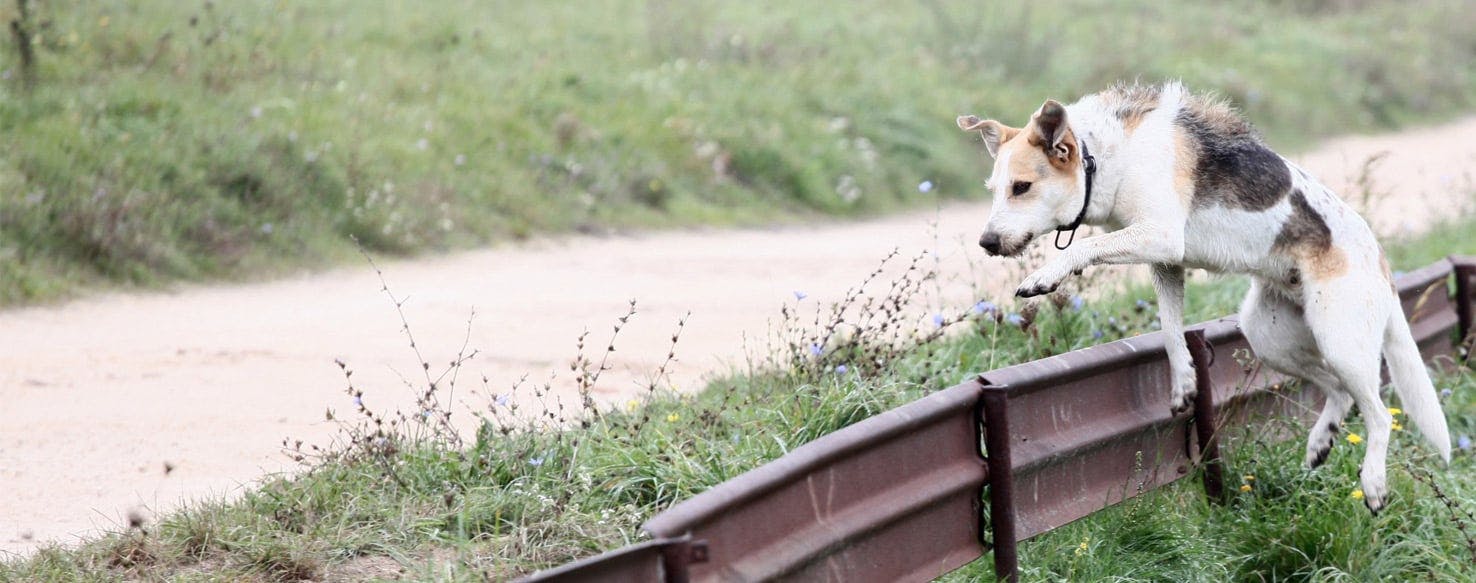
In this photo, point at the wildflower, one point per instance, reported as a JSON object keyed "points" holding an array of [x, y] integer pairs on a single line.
{"points": [[267, 228], [632, 404], [1354, 438], [501, 400], [815, 349], [1356, 494], [799, 295], [1112, 320], [1077, 302], [1444, 393], [673, 418], [255, 112], [1464, 442], [1015, 319], [1141, 304], [938, 320], [535, 461], [1395, 411], [460, 160], [985, 307], [422, 144], [1397, 426], [1245, 487], [1082, 548], [841, 369], [358, 401], [1096, 334], [925, 186], [1249, 477]]}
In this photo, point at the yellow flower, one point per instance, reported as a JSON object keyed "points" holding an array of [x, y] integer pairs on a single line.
{"points": [[1245, 487], [1396, 426], [1249, 477], [1357, 494], [1396, 411], [1354, 439], [632, 404], [673, 418]]}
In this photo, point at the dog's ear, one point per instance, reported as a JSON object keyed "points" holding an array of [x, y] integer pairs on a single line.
{"points": [[994, 133], [1050, 128]]}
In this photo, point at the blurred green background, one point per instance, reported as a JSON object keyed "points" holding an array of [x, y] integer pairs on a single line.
{"points": [[168, 139]]}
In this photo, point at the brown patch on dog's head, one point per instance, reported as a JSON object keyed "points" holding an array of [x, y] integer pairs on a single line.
{"points": [[1306, 237]]}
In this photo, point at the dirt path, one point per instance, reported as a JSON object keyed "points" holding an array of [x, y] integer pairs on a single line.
{"points": [[98, 395]]}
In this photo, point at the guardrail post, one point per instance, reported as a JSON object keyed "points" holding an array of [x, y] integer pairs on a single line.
{"points": [[1203, 356], [1001, 484], [1465, 270]]}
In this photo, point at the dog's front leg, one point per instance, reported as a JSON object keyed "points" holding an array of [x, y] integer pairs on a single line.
{"points": [[1168, 281], [1133, 244]]}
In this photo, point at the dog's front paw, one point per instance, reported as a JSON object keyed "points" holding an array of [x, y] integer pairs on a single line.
{"points": [[1375, 492], [1045, 280], [1184, 392]]}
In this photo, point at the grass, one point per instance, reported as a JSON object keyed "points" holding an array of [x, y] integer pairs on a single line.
{"points": [[407, 496], [168, 141]]}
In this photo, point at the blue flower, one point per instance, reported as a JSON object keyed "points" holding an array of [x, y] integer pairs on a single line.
{"points": [[1096, 334], [1015, 319], [926, 186], [1464, 442], [799, 295], [1112, 320], [1444, 393], [985, 307], [501, 400], [938, 320], [1077, 303], [816, 349], [535, 461], [358, 401], [841, 369], [1142, 304]]}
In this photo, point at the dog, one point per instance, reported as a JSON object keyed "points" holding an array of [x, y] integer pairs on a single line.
{"points": [[1180, 180]]}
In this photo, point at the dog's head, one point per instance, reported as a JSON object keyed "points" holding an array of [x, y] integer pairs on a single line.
{"points": [[1037, 180]]}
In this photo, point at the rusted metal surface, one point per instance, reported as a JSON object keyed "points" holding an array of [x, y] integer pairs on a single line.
{"points": [[638, 563], [1465, 292], [1205, 422], [898, 497], [893, 498]]}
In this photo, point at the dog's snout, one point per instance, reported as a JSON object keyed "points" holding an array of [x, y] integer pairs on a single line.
{"points": [[990, 242]]}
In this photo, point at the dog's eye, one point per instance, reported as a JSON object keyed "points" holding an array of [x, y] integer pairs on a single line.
{"points": [[1020, 187]]}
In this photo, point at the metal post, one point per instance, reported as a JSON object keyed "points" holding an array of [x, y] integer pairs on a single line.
{"points": [[1204, 415], [1001, 484], [1465, 270]]}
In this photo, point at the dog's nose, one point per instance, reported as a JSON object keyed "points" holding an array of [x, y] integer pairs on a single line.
{"points": [[990, 242]]}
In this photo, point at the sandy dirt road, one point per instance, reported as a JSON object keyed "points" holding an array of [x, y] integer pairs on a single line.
{"points": [[98, 395]]}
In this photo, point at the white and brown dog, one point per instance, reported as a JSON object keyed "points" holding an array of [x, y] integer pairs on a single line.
{"points": [[1180, 180]]}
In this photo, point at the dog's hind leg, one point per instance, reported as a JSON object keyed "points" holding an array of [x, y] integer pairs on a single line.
{"points": [[1278, 332], [1350, 340]]}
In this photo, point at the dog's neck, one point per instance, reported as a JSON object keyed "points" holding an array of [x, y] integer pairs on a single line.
{"points": [[1103, 138]]}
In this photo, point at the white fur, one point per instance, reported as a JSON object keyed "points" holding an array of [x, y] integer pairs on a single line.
{"points": [[1329, 332]]}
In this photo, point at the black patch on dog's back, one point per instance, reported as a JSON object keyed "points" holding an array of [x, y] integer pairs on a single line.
{"points": [[1233, 168], [1303, 227]]}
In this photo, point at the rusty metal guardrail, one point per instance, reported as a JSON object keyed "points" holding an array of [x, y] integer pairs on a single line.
{"points": [[900, 496]]}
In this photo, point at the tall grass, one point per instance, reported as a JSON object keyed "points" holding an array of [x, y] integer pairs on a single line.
{"points": [[167, 140]]}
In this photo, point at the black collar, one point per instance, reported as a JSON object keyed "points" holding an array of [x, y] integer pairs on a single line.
{"points": [[1091, 170]]}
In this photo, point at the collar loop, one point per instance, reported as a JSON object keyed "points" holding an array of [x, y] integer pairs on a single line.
{"points": [[1091, 170]]}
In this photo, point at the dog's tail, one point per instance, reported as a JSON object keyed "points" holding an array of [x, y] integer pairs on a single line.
{"points": [[1412, 383]]}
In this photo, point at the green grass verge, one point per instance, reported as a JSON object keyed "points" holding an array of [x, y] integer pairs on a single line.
{"points": [[402, 494], [169, 140]]}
